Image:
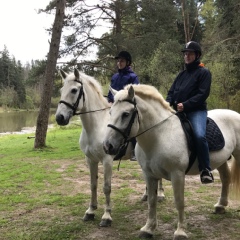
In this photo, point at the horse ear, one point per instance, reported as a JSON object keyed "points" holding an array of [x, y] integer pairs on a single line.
{"points": [[131, 92], [63, 74], [76, 73], [113, 91]]}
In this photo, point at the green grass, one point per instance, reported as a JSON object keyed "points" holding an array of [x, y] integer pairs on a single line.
{"points": [[45, 193]]}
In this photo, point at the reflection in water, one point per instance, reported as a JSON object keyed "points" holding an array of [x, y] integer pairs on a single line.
{"points": [[15, 121]]}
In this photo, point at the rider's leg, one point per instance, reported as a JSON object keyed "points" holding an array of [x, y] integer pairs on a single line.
{"points": [[198, 120]]}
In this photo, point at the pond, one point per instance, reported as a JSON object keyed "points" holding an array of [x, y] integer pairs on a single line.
{"points": [[17, 120]]}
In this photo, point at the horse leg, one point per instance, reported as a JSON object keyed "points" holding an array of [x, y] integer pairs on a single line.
{"points": [[161, 195], [145, 195], [106, 220], [235, 177], [147, 230], [224, 173], [93, 166], [178, 182]]}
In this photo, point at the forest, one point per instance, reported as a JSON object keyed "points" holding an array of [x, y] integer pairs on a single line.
{"points": [[153, 31]]}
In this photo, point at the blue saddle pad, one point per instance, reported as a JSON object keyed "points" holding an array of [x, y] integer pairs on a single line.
{"points": [[214, 136]]}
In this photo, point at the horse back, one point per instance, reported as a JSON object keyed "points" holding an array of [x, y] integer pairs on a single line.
{"points": [[229, 123]]}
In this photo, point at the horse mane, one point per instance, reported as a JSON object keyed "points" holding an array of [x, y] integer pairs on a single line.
{"points": [[149, 92], [92, 82]]}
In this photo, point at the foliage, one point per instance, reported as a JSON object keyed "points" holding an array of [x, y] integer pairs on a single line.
{"points": [[164, 65], [144, 28], [8, 97], [11, 77]]}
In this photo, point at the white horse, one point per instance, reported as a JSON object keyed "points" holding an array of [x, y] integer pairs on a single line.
{"points": [[162, 149], [82, 95]]}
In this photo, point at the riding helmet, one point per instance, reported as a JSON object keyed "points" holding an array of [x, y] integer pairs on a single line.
{"points": [[192, 47], [126, 55]]}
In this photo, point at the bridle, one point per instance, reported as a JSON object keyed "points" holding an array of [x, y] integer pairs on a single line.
{"points": [[75, 105], [125, 133]]}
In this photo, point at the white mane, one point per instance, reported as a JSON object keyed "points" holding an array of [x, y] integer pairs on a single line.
{"points": [[145, 92], [90, 81]]}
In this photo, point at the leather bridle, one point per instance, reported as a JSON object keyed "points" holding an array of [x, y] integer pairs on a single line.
{"points": [[75, 105], [126, 132]]}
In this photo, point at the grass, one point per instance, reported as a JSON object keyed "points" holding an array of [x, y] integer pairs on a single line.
{"points": [[44, 194]]}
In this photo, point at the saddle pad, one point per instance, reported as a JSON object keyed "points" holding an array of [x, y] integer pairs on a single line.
{"points": [[214, 136]]}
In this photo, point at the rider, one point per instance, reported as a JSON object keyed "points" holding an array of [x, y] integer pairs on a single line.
{"points": [[188, 94], [123, 77]]}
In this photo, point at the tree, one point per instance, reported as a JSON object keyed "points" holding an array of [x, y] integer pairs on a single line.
{"points": [[42, 120], [190, 16], [11, 79]]}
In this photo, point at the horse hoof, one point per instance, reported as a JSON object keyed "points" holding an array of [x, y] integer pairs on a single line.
{"points": [[144, 198], [105, 223], [88, 217], [145, 235], [219, 210]]}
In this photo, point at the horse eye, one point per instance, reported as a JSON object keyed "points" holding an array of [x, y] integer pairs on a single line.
{"points": [[125, 114], [74, 91]]}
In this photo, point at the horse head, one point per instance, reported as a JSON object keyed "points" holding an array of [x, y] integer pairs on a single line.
{"points": [[71, 95], [123, 123]]}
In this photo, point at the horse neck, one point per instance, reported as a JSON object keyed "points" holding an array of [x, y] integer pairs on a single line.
{"points": [[93, 101], [155, 114]]}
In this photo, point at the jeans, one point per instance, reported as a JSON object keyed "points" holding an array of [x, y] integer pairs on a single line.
{"points": [[198, 120]]}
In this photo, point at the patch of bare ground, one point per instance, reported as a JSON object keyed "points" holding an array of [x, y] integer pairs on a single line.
{"points": [[201, 222]]}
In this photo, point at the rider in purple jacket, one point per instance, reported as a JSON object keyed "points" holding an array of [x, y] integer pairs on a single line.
{"points": [[125, 74], [123, 77]]}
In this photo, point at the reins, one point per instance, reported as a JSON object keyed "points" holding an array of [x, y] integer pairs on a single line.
{"points": [[159, 123], [79, 113]]}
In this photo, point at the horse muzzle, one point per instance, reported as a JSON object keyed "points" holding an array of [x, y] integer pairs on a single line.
{"points": [[62, 120], [109, 148]]}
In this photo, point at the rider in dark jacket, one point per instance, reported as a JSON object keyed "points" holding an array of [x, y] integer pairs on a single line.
{"points": [[191, 88], [125, 74], [188, 94]]}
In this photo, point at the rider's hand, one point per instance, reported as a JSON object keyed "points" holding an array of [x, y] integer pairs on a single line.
{"points": [[180, 107]]}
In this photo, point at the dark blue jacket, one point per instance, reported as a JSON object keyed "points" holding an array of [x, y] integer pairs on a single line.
{"points": [[121, 79], [191, 88]]}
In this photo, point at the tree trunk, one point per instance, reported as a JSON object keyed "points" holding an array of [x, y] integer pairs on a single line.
{"points": [[185, 21], [42, 120]]}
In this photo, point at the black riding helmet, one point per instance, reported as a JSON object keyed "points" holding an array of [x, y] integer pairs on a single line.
{"points": [[126, 55], [193, 47]]}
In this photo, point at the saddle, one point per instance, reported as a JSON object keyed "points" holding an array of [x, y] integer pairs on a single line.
{"points": [[214, 136]]}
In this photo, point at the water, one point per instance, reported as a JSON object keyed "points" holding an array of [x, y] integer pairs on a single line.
{"points": [[16, 121]]}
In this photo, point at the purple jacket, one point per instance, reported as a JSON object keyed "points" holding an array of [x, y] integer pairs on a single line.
{"points": [[121, 79]]}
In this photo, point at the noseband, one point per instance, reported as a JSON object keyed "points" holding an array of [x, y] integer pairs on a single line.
{"points": [[75, 105]]}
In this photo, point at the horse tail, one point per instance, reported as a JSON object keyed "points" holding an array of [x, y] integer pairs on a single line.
{"points": [[235, 180]]}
